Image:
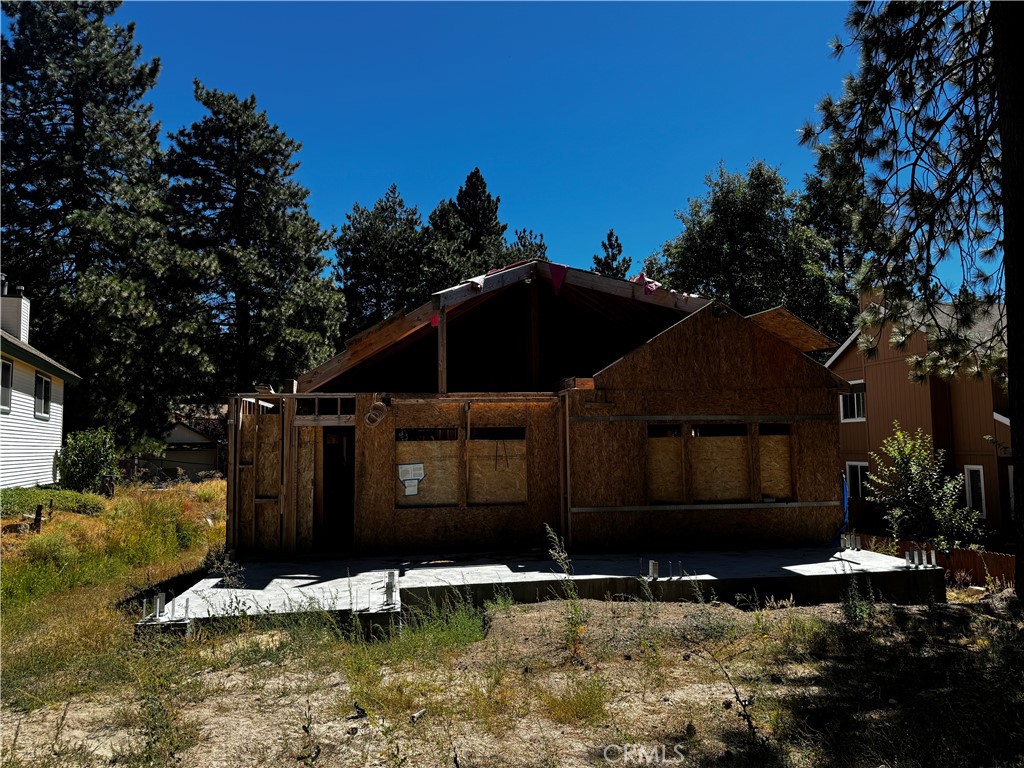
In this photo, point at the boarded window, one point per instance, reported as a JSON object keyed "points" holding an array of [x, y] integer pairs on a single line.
{"points": [[497, 465], [776, 471], [427, 471], [720, 462], [664, 463]]}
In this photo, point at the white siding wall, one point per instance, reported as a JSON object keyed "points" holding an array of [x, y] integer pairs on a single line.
{"points": [[28, 444], [14, 316]]}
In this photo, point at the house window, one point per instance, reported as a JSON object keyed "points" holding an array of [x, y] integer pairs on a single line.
{"points": [[776, 466], [427, 467], [857, 479], [719, 462], [974, 485], [851, 405], [6, 379], [664, 463], [43, 385], [497, 465]]}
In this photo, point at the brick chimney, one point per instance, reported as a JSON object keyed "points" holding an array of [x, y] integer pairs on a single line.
{"points": [[14, 310]]}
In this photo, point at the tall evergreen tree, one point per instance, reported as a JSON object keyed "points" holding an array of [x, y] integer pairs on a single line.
{"points": [[613, 263], [83, 204], [274, 314], [527, 245], [935, 117], [743, 244], [380, 260], [465, 237]]}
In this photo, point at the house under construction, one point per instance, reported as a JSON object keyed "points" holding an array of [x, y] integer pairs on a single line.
{"points": [[616, 412]]}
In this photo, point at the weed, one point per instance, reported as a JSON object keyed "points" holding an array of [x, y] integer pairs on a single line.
{"points": [[583, 700], [309, 753], [859, 607], [577, 615]]}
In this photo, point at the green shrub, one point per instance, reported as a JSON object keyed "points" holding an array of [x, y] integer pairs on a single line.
{"points": [[85, 458], [15, 502], [919, 501]]}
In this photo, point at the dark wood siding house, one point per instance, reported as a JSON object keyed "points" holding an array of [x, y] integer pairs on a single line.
{"points": [[618, 413], [966, 416]]}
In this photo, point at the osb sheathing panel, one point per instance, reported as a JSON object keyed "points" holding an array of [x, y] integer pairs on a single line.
{"points": [[268, 526], [246, 438], [814, 446], [706, 529], [608, 463], [665, 469], [776, 478], [441, 477], [718, 365], [380, 526], [497, 471], [305, 477], [720, 468], [268, 455], [244, 503]]}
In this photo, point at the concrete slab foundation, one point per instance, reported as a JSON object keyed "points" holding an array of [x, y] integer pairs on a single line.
{"points": [[361, 586]]}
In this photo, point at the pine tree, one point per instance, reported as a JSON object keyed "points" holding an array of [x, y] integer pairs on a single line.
{"points": [[274, 314], [464, 237], [613, 263], [380, 260], [527, 245], [743, 244], [934, 117], [83, 209]]}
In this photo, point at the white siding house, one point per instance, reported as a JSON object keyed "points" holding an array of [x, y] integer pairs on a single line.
{"points": [[31, 401]]}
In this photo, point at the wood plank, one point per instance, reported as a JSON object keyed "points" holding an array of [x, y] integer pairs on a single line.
{"points": [[231, 532], [318, 485], [324, 421], [287, 495], [247, 438], [268, 526], [305, 479], [482, 284], [754, 461], [245, 501], [442, 351], [625, 289], [267, 458], [791, 329]]}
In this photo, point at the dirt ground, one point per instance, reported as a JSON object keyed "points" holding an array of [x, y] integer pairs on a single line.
{"points": [[628, 683]]}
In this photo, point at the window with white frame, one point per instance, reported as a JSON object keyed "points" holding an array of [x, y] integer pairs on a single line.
{"points": [[851, 404], [43, 386], [6, 384], [974, 486], [856, 479]]}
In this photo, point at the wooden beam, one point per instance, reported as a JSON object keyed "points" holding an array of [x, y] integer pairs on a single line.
{"points": [[442, 351], [482, 284], [367, 344], [754, 451], [625, 289], [535, 335]]}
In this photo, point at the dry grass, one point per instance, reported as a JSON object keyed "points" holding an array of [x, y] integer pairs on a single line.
{"points": [[856, 684]]}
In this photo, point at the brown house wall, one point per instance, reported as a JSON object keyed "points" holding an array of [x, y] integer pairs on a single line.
{"points": [[956, 413], [706, 369]]}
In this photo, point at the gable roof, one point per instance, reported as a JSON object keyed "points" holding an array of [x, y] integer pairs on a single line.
{"points": [[28, 354], [788, 327], [470, 293]]}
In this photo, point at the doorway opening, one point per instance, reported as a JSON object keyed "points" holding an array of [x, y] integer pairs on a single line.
{"points": [[339, 472]]}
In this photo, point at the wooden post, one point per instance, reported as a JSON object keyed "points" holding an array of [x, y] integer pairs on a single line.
{"points": [[232, 474], [754, 451], [287, 495], [686, 434], [464, 455], [535, 336], [442, 351]]}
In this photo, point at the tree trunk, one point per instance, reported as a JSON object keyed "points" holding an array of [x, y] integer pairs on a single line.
{"points": [[1007, 21]]}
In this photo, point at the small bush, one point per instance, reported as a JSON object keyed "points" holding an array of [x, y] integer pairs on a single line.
{"points": [[23, 501], [583, 700], [85, 459]]}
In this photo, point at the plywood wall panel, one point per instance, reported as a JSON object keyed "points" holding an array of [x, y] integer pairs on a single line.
{"points": [[268, 526], [665, 470], [497, 471], [245, 503], [441, 481], [268, 455], [720, 467], [608, 463], [776, 467]]}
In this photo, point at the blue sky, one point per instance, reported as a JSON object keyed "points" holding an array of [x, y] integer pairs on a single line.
{"points": [[582, 116]]}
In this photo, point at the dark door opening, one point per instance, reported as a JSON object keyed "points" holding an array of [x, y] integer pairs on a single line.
{"points": [[339, 490]]}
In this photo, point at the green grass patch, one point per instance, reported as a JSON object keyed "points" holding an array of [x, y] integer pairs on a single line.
{"points": [[15, 502]]}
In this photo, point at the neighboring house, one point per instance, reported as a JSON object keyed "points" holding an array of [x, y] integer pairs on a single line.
{"points": [[188, 452], [31, 400], [617, 413], [967, 417]]}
